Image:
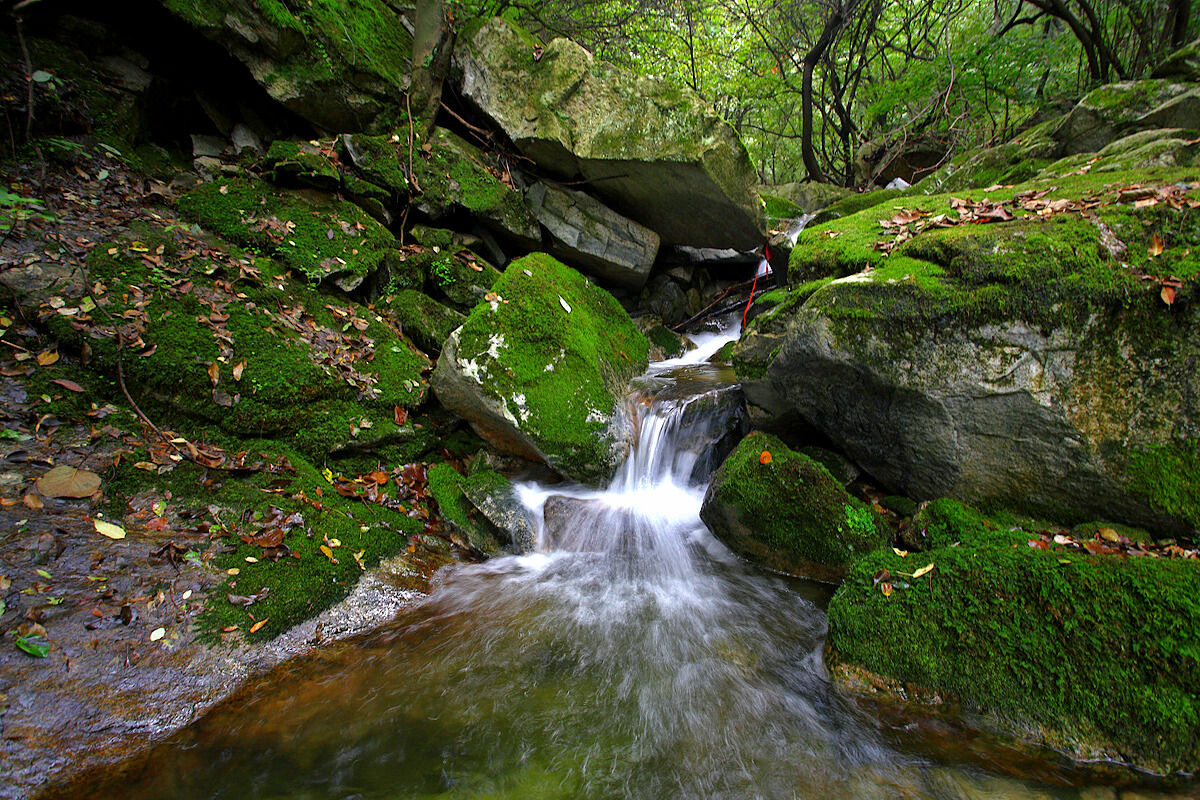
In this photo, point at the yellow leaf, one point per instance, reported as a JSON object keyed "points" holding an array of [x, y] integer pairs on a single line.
{"points": [[923, 570], [328, 553], [1156, 246], [157, 634], [109, 530], [237, 370], [358, 559], [251, 560], [259, 624], [232, 571], [886, 588], [1109, 534], [46, 358], [899, 552], [214, 373], [328, 474]]}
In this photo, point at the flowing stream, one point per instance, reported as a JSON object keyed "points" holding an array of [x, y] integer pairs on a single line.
{"points": [[634, 658]]}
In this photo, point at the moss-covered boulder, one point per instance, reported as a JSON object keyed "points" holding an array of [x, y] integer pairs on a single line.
{"points": [[540, 369], [653, 151], [304, 162], [338, 64], [424, 320], [1094, 655], [1118, 109], [228, 341], [786, 511], [1183, 64], [1017, 363], [806, 198], [311, 232]]}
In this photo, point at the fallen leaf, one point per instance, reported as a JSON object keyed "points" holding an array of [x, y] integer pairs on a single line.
{"points": [[399, 415], [64, 481], [899, 552], [32, 501], [886, 588], [214, 372], [1156, 249], [328, 553], [109, 530], [765, 458], [47, 357], [254, 628], [157, 634], [564, 304], [238, 368], [35, 646], [1168, 295], [1108, 534], [925, 570], [68, 385]]}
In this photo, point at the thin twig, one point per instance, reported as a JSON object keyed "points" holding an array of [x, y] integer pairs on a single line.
{"points": [[412, 177]]}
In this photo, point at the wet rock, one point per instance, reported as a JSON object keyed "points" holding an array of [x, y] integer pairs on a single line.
{"points": [[540, 371], [592, 237], [449, 488], [207, 146], [786, 511], [493, 495], [665, 299], [653, 152], [339, 70]]}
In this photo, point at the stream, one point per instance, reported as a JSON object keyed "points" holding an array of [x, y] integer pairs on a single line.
{"points": [[635, 657]]}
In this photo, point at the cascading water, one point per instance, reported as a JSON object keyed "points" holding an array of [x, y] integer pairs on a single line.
{"points": [[633, 658]]}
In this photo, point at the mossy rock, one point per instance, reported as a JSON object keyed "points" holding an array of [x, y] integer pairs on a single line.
{"points": [[378, 158], [303, 162], [654, 151], [786, 511], [1003, 363], [424, 320], [456, 274], [228, 341], [341, 64], [312, 233], [1005, 164], [805, 198], [540, 370], [1093, 655], [853, 204], [453, 175], [447, 488], [1117, 109]]}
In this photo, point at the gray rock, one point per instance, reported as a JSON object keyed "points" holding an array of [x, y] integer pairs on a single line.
{"points": [[1117, 109], [128, 76], [244, 139], [1183, 64], [592, 237], [204, 146], [652, 151], [500, 506]]}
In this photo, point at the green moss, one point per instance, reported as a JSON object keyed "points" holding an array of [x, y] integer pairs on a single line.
{"points": [[378, 158], [1168, 477], [790, 512], [662, 337], [424, 320], [303, 161], [1090, 654], [557, 372], [461, 280], [447, 486], [306, 372], [312, 233], [778, 208]]}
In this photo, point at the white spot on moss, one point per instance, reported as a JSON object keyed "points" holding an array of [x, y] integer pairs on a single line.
{"points": [[494, 344]]}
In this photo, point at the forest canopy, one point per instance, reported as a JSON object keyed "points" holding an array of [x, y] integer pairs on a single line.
{"points": [[808, 82]]}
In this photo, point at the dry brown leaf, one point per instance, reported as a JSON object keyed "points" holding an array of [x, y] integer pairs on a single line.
{"points": [[238, 368], [1156, 249], [47, 357], [259, 624], [64, 481], [1168, 295], [71, 386], [32, 501], [214, 372]]}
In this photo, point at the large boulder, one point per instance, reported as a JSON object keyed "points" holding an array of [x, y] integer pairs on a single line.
{"points": [[592, 237], [1016, 363], [1091, 654], [337, 65], [652, 151], [541, 368], [1118, 109], [783, 509]]}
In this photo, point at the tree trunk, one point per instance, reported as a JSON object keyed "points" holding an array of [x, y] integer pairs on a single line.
{"points": [[832, 26], [433, 41]]}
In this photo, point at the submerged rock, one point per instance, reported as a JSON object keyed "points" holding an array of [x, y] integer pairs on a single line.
{"points": [[1089, 654], [652, 151], [786, 511], [539, 370]]}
